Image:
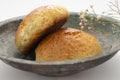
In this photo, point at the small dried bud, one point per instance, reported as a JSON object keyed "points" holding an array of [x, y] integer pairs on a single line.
{"points": [[103, 12], [80, 24], [82, 27], [91, 6], [86, 10], [99, 17], [89, 28]]}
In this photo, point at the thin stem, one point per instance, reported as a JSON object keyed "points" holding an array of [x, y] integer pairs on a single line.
{"points": [[114, 6]]}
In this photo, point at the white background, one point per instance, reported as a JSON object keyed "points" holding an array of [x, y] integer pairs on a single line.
{"points": [[109, 70]]}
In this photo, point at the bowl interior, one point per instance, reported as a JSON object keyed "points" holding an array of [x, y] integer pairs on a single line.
{"points": [[106, 30]]}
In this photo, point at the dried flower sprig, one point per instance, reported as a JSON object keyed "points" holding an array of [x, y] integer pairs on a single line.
{"points": [[115, 6], [114, 10], [83, 20], [87, 20]]}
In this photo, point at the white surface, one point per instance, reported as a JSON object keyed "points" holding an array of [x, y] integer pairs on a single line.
{"points": [[109, 70]]}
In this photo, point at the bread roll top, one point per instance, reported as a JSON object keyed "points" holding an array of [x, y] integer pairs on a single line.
{"points": [[67, 44], [37, 24]]}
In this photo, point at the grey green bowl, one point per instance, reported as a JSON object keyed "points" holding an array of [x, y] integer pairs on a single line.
{"points": [[106, 29]]}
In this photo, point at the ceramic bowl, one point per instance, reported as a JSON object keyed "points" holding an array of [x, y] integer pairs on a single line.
{"points": [[106, 30]]}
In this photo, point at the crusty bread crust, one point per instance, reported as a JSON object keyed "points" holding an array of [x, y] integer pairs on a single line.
{"points": [[67, 44], [37, 24]]}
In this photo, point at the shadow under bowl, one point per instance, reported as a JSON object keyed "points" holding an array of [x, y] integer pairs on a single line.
{"points": [[106, 30]]}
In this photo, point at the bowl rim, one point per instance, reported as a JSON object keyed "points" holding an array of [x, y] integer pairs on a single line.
{"points": [[17, 60]]}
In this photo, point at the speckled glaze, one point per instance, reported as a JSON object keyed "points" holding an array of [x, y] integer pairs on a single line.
{"points": [[108, 35]]}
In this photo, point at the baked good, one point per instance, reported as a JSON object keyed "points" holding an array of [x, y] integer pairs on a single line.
{"points": [[67, 44], [37, 24]]}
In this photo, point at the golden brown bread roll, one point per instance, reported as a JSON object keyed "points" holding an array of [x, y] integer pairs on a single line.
{"points": [[67, 44], [37, 24]]}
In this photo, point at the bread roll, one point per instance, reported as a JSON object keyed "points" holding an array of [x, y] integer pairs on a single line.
{"points": [[67, 44], [37, 24]]}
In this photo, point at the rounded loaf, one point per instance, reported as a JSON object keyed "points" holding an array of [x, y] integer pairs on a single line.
{"points": [[67, 44], [37, 24]]}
